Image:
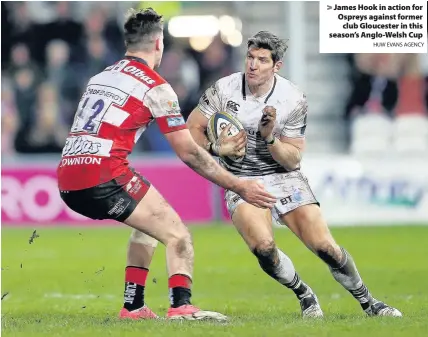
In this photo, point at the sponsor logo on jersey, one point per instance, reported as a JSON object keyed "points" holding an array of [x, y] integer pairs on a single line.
{"points": [[80, 161], [205, 99], [114, 94], [175, 121], [232, 106], [85, 144], [173, 108], [173, 105], [78, 145], [138, 73]]}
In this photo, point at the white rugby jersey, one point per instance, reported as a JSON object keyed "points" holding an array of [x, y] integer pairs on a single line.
{"points": [[231, 94]]}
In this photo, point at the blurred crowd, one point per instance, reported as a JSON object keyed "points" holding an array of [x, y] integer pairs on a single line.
{"points": [[389, 84], [51, 49], [47, 63], [388, 104]]}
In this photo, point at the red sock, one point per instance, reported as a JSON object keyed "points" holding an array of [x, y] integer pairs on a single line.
{"points": [[179, 289], [135, 282]]}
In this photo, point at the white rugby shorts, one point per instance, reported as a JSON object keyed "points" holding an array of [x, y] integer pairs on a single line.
{"points": [[291, 189]]}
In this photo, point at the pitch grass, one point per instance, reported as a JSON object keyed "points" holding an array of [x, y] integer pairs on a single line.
{"points": [[69, 282]]}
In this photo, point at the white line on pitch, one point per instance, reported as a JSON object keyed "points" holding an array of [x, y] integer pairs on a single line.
{"points": [[80, 296]]}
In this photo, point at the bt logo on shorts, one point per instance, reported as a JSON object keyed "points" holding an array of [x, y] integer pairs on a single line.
{"points": [[286, 200], [296, 196]]}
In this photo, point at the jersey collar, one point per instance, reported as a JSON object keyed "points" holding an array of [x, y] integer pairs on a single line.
{"points": [[244, 89], [138, 59]]}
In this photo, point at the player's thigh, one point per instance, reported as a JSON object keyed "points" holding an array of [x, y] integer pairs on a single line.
{"points": [[307, 223], [114, 200], [298, 208], [154, 216], [132, 200], [253, 224]]}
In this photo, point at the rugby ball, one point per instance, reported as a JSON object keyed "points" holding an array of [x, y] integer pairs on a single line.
{"points": [[217, 123]]}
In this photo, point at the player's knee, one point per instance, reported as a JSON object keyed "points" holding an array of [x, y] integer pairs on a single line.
{"points": [[181, 233], [265, 251], [329, 252], [142, 238], [181, 239]]}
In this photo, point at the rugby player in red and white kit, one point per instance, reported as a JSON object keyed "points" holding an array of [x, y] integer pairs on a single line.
{"points": [[96, 181]]}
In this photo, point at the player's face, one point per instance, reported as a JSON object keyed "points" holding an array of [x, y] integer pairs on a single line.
{"points": [[159, 50], [259, 66]]}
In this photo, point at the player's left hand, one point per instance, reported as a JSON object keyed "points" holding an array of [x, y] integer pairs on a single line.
{"points": [[231, 145], [267, 122]]}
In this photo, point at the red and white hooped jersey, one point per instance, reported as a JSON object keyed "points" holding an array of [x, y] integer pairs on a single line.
{"points": [[115, 109]]}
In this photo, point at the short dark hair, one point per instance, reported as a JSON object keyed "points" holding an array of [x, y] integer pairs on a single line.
{"points": [[269, 41], [141, 28]]}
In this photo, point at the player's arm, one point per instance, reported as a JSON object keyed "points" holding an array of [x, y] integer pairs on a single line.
{"points": [[200, 160], [210, 104], [172, 125], [287, 150], [203, 163], [197, 123]]}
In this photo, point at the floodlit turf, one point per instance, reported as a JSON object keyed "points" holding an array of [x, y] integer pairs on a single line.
{"points": [[69, 282]]}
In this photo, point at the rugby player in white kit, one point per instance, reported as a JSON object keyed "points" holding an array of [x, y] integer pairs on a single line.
{"points": [[273, 112]]}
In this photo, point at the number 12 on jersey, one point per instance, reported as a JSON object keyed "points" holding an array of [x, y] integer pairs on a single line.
{"points": [[89, 116]]}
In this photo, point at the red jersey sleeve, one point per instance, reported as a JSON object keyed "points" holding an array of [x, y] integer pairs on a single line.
{"points": [[162, 102]]}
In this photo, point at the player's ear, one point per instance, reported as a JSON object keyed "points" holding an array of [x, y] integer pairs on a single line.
{"points": [[157, 44], [277, 66]]}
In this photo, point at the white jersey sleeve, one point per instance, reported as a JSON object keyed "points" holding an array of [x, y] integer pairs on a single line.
{"points": [[210, 102], [295, 125], [163, 104]]}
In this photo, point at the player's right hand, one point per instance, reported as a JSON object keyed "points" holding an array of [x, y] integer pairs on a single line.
{"points": [[253, 192], [267, 122], [231, 145]]}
